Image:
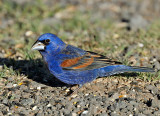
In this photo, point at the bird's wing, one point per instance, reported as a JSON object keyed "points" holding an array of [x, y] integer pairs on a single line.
{"points": [[88, 61]]}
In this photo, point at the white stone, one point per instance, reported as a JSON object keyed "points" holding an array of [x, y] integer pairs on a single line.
{"points": [[14, 85], [34, 108], [85, 112], [39, 88], [140, 45], [49, 105]]}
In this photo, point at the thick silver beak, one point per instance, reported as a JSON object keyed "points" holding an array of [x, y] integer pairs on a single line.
{"points": [[38, 46]]}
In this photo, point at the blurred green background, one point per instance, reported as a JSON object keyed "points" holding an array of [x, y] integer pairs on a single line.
{"points": [[125, 30]]}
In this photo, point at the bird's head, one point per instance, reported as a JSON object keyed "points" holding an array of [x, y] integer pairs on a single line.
{"points": [[48, 43]]}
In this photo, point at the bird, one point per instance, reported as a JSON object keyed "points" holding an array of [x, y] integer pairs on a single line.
{"points": [[75, 66]]}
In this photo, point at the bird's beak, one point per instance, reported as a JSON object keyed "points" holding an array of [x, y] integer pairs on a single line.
{"points": [[38, 46]]}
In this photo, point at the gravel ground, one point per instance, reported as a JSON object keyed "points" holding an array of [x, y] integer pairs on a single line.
{"points": [[41, 94], [102, 97]]}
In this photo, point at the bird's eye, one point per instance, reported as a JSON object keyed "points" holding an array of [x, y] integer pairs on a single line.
{"points": [[47, 41]]}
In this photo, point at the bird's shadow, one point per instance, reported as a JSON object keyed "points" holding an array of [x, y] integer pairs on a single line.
{"points": [[37, 71], [34, 70]]}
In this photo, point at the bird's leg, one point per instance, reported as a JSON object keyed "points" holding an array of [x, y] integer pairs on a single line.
{"points": [[74, 91]]}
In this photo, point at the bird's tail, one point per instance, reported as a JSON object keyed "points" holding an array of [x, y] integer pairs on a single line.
{"points": [[139, 69], [117, 69]]}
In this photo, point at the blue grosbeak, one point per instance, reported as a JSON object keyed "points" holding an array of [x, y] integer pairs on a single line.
{"points": [[73, 65]]}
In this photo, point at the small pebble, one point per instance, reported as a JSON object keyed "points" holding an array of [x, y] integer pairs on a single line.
{"points": [[140, 45], [34, 108], [49, 105], [9, 114], [86, 94], [28, 33], [39, 88], [78, 106], [85, 112], [14, 85], [74, 114]]}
